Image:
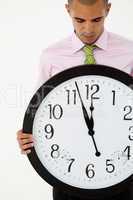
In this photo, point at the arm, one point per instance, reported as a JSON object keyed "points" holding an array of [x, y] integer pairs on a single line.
{"points": [[25, 140], [44, 69]]}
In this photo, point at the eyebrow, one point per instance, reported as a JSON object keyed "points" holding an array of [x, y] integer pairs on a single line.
{"points": [[78, 18]]}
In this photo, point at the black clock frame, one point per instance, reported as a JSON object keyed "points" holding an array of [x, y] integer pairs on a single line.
{"points": [[36, 100]]}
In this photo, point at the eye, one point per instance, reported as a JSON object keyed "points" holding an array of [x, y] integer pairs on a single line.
{"points": [[97, 19], [79, 20]]}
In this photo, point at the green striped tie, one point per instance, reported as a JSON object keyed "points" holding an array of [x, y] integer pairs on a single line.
{"points": [[88, 49]]}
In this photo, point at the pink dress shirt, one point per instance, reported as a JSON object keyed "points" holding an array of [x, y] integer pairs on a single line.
{"points": [[113, 50]]}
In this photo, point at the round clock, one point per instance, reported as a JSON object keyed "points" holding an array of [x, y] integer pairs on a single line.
{"points": [[82, 123]]}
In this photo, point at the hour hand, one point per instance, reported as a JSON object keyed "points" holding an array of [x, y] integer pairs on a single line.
{"points": [[86, 117], [85, 114], [91, 118]]}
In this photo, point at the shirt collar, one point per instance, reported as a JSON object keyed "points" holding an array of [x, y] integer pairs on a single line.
{"points": [[77, 44], [102, 40]]}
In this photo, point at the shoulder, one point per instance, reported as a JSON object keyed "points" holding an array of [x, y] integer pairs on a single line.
{"points": [[120, 42], [58, 48]]}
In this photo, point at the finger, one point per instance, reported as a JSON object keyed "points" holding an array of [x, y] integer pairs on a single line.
{"points": [[19, 131], [24, 136], [25, 141], [26, 146], [22, 146], [26, 152]]}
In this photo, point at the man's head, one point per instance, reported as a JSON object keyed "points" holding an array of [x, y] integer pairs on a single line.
{"points": [[88, 17]]}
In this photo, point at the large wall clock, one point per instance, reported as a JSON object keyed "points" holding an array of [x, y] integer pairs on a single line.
{"points": [[82, 123]]}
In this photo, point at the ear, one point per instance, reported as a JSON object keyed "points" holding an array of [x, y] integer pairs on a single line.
{"points": [[67, 8], [108, 8]]}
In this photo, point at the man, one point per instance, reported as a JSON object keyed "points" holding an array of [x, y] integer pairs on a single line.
{"points": [[90, 43]]}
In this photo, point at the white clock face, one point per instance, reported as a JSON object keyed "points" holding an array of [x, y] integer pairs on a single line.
{"points": [[83, 132]]}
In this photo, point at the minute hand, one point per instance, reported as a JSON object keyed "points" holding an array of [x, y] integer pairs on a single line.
{"points": [[89, 122], [85, 114], [91, 130]]}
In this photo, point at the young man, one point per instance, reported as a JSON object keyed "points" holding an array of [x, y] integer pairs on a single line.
{"points": [[90, 43]]}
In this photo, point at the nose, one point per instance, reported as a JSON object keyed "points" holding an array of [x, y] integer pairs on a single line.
{"points": [[89, 27]]}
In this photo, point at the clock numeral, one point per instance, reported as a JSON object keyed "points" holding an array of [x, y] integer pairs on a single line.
{"points": [[114, 96], [128, 109], [70, 165], [90, 171], [71, 96], [95, 89], [55, 111], [55, 151], [131, 135], [128, 152], [49, 130], [109, 166]]}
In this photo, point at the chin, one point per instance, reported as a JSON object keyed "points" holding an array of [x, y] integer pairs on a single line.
{"points": [[89, 43], [89, 40]]}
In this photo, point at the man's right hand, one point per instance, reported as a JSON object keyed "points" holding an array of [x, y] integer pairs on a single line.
{"points": [[25, 141]]}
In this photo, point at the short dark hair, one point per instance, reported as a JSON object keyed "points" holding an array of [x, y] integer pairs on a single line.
{"points": [[89, 2]]}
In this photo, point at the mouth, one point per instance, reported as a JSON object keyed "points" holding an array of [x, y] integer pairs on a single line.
{"points": [[89, 36]]}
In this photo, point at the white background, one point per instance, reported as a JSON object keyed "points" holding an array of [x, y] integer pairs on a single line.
{"points": [[27, 27]]}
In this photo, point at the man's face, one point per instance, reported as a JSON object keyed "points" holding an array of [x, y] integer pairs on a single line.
{"points": [[88, 20]]}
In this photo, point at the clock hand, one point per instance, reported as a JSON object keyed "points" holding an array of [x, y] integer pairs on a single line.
{"points": [[91, 118], [91, 130], [97, 152], [85, 114], [89, 122]]}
